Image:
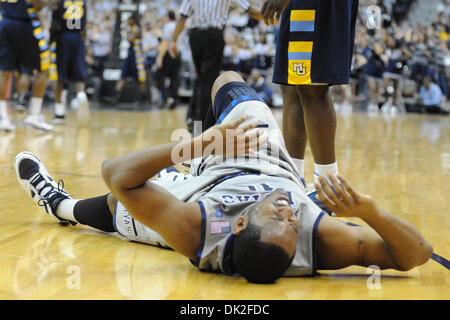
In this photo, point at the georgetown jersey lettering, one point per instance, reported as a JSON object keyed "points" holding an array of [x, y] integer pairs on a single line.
{"points": [[224, 204]]}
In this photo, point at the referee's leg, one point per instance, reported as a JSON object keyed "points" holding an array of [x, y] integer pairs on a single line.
{"points": [[211, 64]]}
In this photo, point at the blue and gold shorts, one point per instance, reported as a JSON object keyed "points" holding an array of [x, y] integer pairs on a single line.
{"points": [[315, 43]]}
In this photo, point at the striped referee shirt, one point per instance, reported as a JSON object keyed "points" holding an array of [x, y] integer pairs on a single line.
{"points": [[209, 13]]}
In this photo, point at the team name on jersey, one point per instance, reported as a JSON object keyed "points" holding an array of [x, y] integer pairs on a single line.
{"points": [[263, 189]]}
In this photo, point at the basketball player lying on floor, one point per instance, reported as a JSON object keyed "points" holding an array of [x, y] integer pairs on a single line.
{"points": [[245, 215]]}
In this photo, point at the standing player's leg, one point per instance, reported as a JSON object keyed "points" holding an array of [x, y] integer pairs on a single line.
{"points": [[314, 50], [5, 122], [320, 123], [294, 130], [34, 117], [23, 85], [30, 57], [60, 105], [74, 67], [8, 63]]}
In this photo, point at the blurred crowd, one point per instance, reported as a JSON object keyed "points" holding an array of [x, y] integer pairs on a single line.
{"points": [[399, 65]]}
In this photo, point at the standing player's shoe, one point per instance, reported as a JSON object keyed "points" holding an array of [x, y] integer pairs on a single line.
{"points": [[21, 108], [37, 122], [36, 181], [58, 119], [6, 125]]}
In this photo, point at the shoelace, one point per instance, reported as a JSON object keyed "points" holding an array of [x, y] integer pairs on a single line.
{"points": [[51, 193]]}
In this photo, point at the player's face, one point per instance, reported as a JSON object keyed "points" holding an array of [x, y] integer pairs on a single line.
{"points": [[280, 225]]}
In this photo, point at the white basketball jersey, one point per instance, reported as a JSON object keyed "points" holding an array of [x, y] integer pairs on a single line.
{"points": [[225, 188]]}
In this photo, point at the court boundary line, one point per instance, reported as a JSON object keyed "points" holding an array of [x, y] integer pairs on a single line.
{"points": [[63, 173]]}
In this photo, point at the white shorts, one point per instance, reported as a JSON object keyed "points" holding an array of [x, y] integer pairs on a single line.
{"points": [[134, 230]]}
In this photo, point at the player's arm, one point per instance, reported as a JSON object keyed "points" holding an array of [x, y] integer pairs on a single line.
{"points": [[178, 29], [251, 11], [272, 9], [389, 242], [162, 49], [255, 14], [39, 4], [176, 221]]}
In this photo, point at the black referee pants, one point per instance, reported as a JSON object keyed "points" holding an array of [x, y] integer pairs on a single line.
{"points": [[207, 53], [171, 70]]}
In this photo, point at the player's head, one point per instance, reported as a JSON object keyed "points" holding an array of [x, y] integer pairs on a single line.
{"points": [[265, 239]]}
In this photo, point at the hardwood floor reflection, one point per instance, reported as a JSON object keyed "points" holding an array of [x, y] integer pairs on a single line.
{"points": [[403, 161]]}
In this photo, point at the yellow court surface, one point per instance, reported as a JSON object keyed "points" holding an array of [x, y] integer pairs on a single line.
{"points": [[402, 161]]}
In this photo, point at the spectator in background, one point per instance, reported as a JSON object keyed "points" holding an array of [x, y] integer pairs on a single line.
{"points": [[131, 65], [392, 75], [168, 65], [101, 47], [373, 70], [245, 57], [262, 88], [431, 96], [264, 53]]}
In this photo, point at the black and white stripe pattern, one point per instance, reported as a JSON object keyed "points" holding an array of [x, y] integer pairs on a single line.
{"points": [[209, 13]]}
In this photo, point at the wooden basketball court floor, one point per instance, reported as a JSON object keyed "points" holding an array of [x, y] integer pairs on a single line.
{"points": [[403, 161]]}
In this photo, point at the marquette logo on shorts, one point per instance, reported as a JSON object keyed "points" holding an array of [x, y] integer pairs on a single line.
{"points": [[300, 52], [299, 69], [299, 56]]}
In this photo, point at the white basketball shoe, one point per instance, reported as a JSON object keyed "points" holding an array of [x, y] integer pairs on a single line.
{"points": [[37, 122], [6, 125], [37, 183]]}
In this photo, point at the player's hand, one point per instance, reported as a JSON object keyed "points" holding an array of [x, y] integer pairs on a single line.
{"points": [[343, 200], [231, 139], [272, 9]]}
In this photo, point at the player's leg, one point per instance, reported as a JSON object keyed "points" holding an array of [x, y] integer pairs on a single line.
{"points": [[5, 122], [30, 57], [78, 73], [8, 64], [56, 202], [60, 106], [233, 98], [320, 123], [34, 117], [23, 85], [294, 130], [103, 213]]}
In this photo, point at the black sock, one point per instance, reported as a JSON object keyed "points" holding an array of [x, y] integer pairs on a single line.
{"points": [[95, 213]]}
